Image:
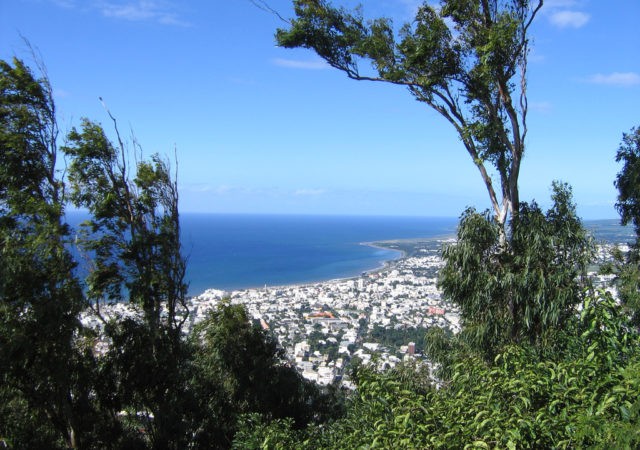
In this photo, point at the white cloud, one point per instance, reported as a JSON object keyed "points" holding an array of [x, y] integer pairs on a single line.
{"points": [[616, 79], [296, 64], [234, 191], [159, 11], [223, 190], [141, 10], [566, 13], [569, 19], [208, 188]]}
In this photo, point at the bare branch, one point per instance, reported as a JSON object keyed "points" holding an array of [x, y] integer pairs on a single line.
{"points": [[123, 165], [533, 15], [261, 4], [48, 133]]}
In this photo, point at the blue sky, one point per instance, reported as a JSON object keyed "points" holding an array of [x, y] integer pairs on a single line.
{"points": [[261, 129]]}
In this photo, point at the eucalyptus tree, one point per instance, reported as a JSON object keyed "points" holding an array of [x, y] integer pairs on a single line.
{"points": [[526, 295], [628, 179], [512, 271], [627, 266], [42, 365], [467, 60], [47, 366], [132, 240], [245, 371], [134, 229]]}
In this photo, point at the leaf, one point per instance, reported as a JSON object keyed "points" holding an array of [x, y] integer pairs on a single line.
{"points": [[484, 422]]}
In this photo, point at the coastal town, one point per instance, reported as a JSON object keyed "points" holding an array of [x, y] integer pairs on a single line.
{"points": [[380, 317], [323, 327]]}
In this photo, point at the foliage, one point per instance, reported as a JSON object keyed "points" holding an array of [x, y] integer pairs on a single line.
{"points": [[134, 232], [255, 433], [152, 388], [133, 242], [628, 179], [252, 370], [522, 290], [585, 397], [519, 288], [397, 337], [466, 60], [626, 266], [40, 366], [24, 426]]}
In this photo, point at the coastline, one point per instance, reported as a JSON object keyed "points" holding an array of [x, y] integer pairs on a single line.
{"points": [[384, 265], [405, 248], [234, 252], [408, 247]]}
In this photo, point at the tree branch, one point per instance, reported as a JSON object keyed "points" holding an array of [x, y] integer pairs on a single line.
{"points": [[261, 4]]}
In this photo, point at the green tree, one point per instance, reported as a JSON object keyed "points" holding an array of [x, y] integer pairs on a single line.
{"points": [[626, 266], [527, 292], [46, 365], [39, 299], [628, 180], [248, 372], [134, 231], [467, 60], [133, 239]]}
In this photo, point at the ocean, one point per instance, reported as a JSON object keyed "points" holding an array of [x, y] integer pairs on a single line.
{"points": [[238, 251], [235, 251]]}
